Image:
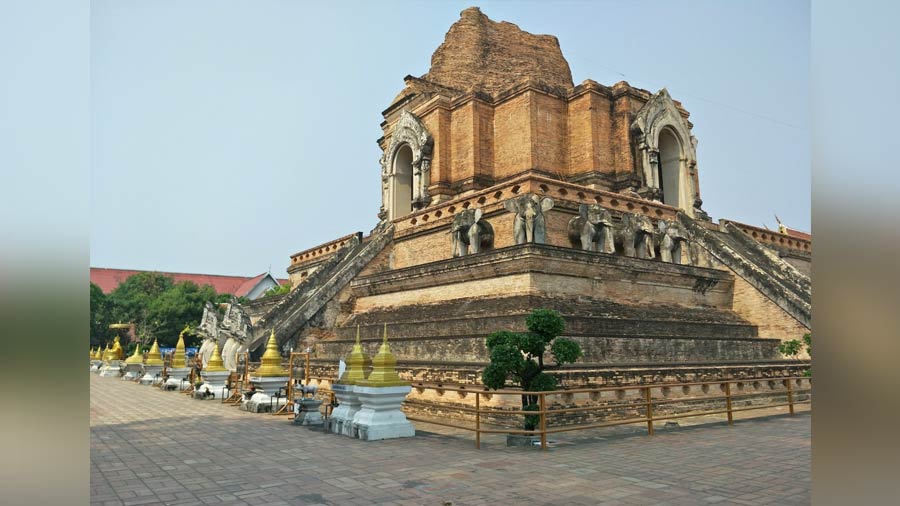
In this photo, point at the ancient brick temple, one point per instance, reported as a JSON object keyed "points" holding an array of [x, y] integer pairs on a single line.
{"points": [[506, 187]]}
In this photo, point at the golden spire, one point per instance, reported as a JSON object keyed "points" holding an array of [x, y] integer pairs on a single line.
{"points": [[215, 363], [154, 357], [271, 359], [107, 353], [178, 359], [384, 368], [356, 364], [137, 357]]}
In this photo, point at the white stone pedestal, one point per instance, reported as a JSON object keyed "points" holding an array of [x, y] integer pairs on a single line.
{"points": [[96, 365], [112, 369], [133, 371], [177, 379], [341, 419], [150, 375], [214, 384], [379, 416], [266, 388]]}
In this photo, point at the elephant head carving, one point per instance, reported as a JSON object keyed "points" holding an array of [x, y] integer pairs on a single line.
{"points": [[592, 228], [637, 236], [470, 234], [673, 242], [528, 225]]}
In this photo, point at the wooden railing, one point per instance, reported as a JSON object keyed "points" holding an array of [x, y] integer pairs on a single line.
{"points": [[647, 405]]}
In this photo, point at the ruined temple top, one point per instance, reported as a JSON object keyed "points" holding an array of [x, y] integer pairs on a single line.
{"points": [[481, 55]]}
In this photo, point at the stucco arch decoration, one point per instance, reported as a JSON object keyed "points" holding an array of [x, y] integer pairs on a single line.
{"points": [[408, 131], [658, 114]]}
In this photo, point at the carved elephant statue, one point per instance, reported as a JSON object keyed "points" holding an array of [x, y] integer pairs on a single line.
{"points": [[528, 225], [673, 242], [470, 234], [637, 236], [592, 229]]}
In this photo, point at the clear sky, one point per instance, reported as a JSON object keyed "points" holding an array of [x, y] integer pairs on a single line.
{"points": [[226, 136]]}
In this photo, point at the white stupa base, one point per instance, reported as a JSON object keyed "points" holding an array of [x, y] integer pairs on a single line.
{"points": [[177, 379], [263, 403], [264, 400], [96, 365], [380, 416], [151, 375], [133, 371], [111, 369], [341, 419], [213, 386]]}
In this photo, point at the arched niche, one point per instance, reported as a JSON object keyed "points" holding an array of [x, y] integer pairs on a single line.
{"points": [[669, 169], [666, 154], [402, 182], [406, 168]]}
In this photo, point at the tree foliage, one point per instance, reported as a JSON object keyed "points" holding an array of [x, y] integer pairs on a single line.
{"points": [[278, 290], [518, 358], [158, 306]]}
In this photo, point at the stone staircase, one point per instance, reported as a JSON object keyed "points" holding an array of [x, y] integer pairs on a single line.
{"points": [[763, 269], [294, 311]]}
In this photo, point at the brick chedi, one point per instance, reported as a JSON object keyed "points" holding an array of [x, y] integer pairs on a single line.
{"points": [[506, 187]]}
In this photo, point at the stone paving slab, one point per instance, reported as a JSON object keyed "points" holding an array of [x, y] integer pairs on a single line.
{"points": [[154, 447]]}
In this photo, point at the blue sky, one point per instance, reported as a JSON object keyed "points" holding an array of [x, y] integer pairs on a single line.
{"points": [[226, 136]]}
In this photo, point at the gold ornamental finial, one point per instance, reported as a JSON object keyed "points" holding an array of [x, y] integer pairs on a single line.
{"points": [[107, 353], [137, 357], [215, 363], [271, 360], [178, 359], [154, 357], [356, 364], [384, 368]]}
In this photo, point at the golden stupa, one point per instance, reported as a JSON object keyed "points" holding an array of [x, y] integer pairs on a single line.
{"points": [[215, 363], [179, 361], [356, 364], [271, 360], [154, 357], [384, 368], [137, 357]]}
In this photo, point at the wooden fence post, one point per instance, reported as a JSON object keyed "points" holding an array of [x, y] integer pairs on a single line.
{"points": [[790, 390], [649, 411], [728, 402], [478, 420], [543, 423]]}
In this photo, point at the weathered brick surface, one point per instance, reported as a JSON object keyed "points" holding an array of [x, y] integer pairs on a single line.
{"points": [[479, 54], [758, 309]]}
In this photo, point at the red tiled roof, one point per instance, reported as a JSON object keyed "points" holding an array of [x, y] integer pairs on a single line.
{"points": [[797, 233], [109, 279]]}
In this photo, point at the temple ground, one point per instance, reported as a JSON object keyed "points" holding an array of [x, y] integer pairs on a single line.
{"points": [[155, 447]]}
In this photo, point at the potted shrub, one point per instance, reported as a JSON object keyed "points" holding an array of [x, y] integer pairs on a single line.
{"points": [[517, 359]]}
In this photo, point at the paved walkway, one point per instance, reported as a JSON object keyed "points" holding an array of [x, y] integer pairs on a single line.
{"points": [[155, 447]]}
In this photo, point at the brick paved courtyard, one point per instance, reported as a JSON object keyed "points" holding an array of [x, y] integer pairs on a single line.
{"points": [[155, 447]]}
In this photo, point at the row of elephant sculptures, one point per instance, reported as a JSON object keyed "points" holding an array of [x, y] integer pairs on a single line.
{"points": [[592, 230]]}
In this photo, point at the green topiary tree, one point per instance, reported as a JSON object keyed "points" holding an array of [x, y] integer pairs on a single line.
{"points": [[518, 358]]}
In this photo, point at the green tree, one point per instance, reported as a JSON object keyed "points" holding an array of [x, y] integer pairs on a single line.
{"points": [[100, 317], [278, 290], [159, 307], [518, 358]]}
